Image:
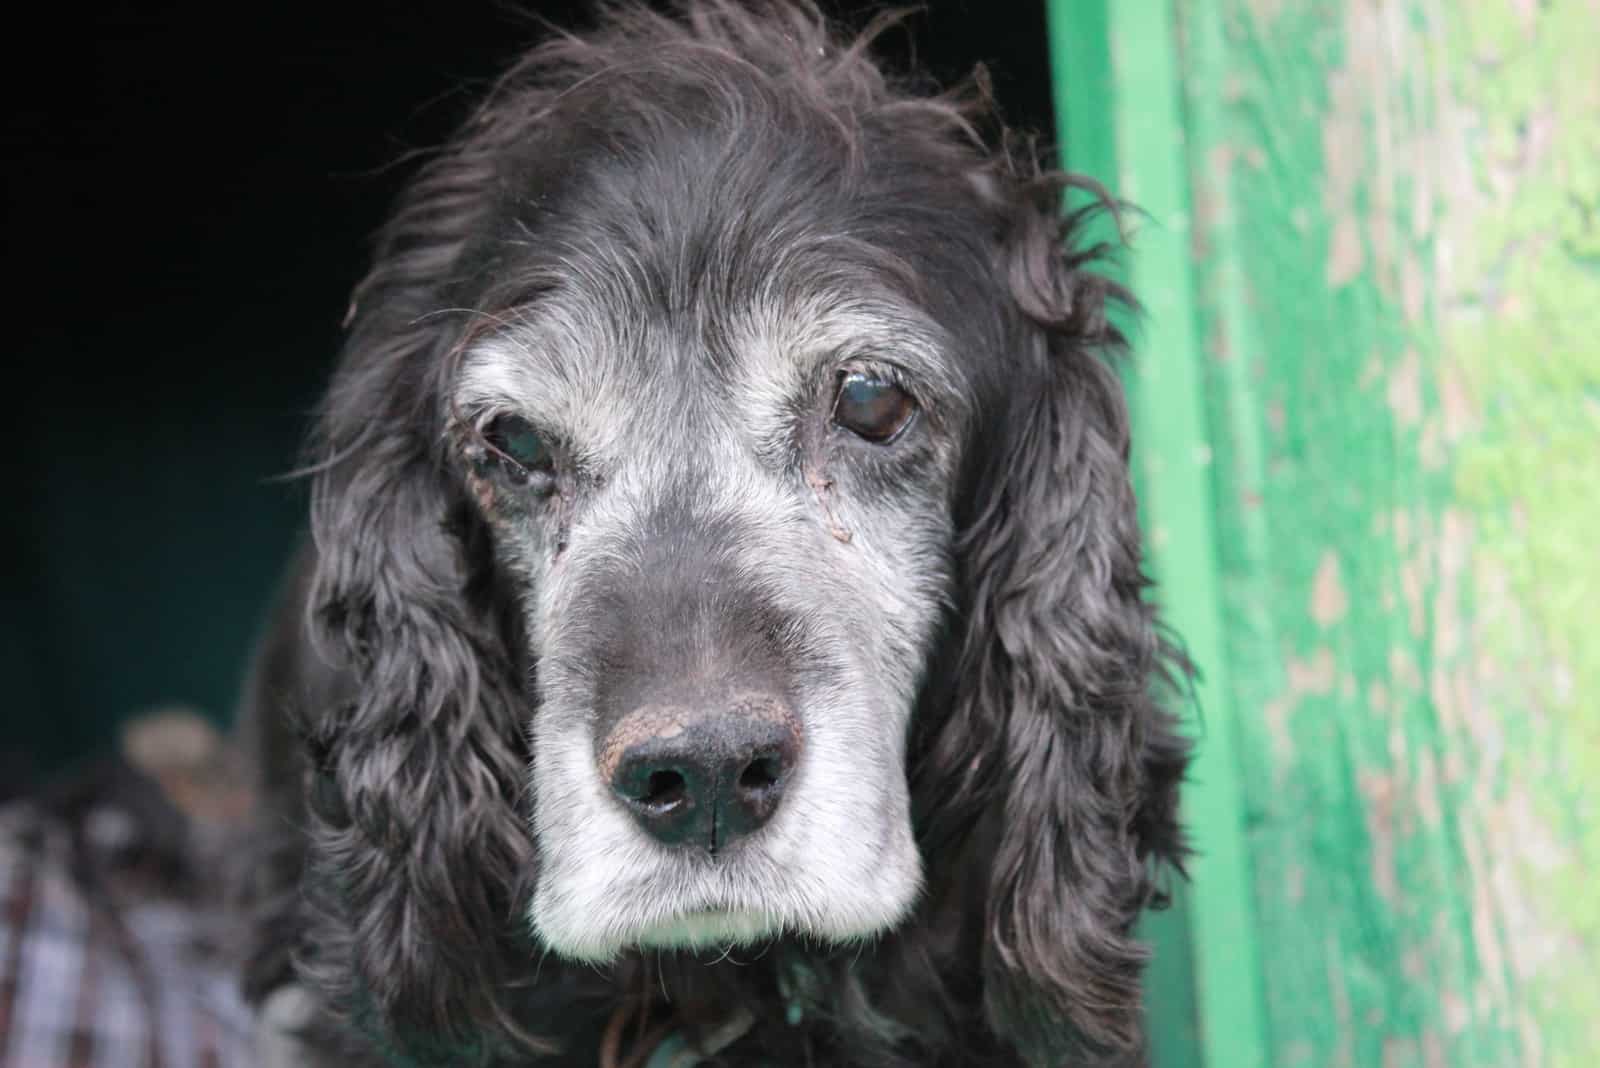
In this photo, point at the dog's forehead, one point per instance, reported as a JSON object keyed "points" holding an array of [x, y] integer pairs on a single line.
{"points": [[702, 279]]}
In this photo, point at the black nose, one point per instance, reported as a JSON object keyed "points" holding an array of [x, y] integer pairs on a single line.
{"points": [[703, 780]]}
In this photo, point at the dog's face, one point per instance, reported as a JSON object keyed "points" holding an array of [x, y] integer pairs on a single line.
{"points": [[717, 448], [722, 511]]}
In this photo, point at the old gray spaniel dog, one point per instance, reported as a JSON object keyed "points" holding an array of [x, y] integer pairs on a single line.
{"points": [[723, 627]]}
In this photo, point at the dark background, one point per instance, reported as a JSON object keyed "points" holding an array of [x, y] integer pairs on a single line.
{"points": [[189, 193]]}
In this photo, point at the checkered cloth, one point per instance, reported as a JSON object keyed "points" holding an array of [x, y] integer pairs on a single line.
{"points": [[99, 966]]}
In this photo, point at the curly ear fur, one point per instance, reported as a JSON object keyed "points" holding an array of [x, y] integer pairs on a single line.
{"points": [[1077, 766], [417, 832]]}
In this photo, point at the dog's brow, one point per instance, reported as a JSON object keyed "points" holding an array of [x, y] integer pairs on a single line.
{"points": [[885, 331], [570, 339]]}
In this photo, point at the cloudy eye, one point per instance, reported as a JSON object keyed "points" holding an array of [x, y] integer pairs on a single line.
{"points": [[517, 443], [872, 407]]}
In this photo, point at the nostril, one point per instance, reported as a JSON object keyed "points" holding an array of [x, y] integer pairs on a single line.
{"points": [[754, 794], [664, 790], [761, 774]]}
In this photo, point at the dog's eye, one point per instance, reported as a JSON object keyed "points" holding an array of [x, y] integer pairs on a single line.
{"points": [[872, 407], [519, 443]]}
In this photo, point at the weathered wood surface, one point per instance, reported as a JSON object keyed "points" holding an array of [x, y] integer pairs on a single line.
{"points": [[1380, 275]]}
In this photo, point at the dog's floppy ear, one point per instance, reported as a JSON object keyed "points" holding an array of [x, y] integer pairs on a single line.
{"points": [[1076, 782], [416, 842]]}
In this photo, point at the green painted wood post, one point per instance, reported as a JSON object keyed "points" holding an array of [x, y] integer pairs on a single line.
{"points": [[1367, 445], [1125, 53]]}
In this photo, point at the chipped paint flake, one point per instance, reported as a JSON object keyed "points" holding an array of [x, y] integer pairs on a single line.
{"points": [[1344, 252], [1329, 602], [1405, 390]]}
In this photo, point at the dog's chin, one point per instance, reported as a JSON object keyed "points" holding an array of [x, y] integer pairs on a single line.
{"points": [[628, 923], [715, 930], [709, 929]]}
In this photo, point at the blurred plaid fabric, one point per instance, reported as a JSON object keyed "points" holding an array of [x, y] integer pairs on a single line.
{"points": [[104, 961]]}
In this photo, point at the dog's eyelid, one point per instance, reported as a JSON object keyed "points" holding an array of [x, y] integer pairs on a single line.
{"points": [[882, 368], [915, 355], [483, 419]]}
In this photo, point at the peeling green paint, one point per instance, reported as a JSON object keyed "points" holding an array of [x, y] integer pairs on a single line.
{"points": [[1393, 227]]}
